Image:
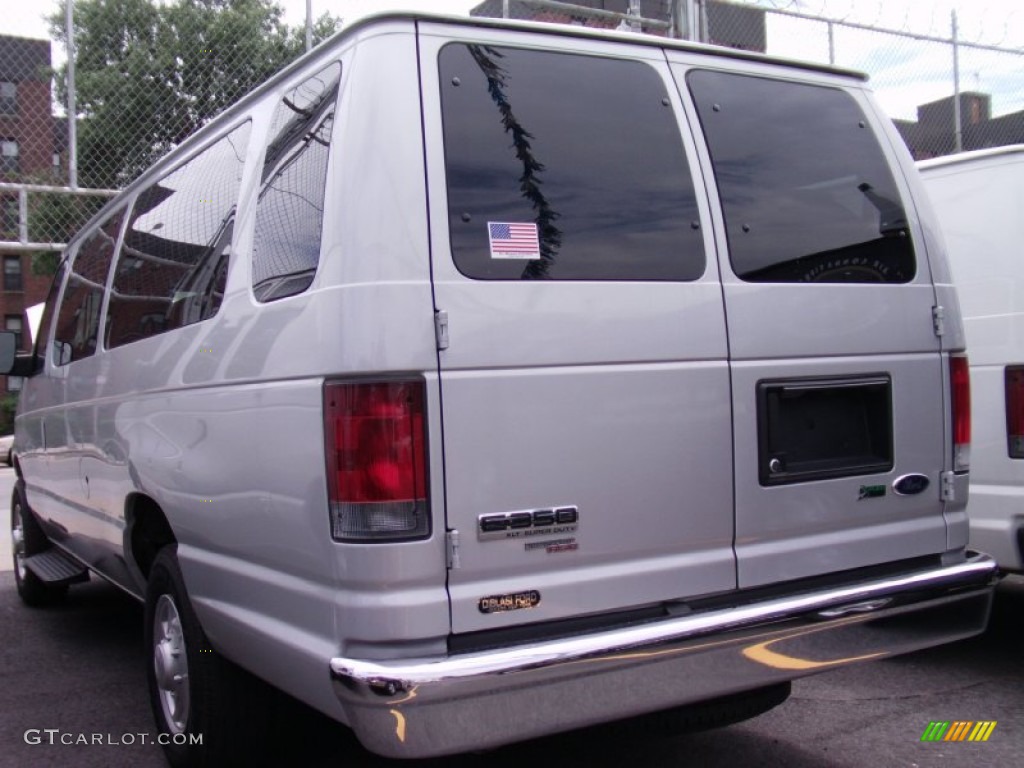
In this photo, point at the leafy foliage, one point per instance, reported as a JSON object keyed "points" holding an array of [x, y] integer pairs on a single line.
{"points": [[148, 74]]}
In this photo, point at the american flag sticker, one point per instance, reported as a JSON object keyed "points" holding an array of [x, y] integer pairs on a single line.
{"points": [[513, 240]]}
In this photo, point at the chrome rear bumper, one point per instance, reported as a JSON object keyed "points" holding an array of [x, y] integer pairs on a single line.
{"points": [[425, 707]]}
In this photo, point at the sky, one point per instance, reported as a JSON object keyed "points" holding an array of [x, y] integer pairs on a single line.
{"points": [[905, 73]]}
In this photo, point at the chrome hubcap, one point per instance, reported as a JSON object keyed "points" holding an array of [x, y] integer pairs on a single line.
{"points": [[18, 541], [170, 663]]}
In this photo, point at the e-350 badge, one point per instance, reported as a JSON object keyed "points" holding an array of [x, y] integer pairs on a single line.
{"points": [[520, 525]]}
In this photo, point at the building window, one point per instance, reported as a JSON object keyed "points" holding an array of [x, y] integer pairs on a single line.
{"points": [[13, 324], [12, 273], [8, 156], [8, 98]]}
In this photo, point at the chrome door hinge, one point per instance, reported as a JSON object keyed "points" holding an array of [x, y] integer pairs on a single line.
{"points": [[452, 549], [947, 490], [441, 328], [938, 320]]}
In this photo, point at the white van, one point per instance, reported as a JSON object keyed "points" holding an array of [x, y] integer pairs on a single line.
{"points": [[979, 198], [476, 380]]}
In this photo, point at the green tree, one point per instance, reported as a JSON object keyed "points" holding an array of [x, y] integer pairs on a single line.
{"points": [[148, 74]]}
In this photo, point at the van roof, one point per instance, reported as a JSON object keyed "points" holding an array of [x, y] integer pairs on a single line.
{"points": [[599, 33], [967, 157]]}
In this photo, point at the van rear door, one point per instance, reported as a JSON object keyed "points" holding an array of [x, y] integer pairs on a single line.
{"points": [[837, 375], [584, 374]]}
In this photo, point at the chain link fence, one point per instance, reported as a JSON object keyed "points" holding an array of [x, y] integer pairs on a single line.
{"points": [[947, 73], [147, 73]]}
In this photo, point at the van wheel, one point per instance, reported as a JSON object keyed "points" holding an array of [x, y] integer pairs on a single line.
{"points": [[212, 712], [27, 539]]}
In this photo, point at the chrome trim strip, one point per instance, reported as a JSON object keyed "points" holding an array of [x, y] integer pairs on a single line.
{"points": [[389, 677]]}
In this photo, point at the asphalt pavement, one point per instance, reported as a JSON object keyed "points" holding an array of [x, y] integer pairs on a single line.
{"points": [[76, 672]]}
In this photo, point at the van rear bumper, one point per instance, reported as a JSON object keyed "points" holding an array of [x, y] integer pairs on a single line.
{"points": [[427, 707]]}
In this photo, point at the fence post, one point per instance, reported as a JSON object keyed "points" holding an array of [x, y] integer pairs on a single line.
{"points": [[309, 25], [957, 125], [504, 9], [23, 215], [72, 108], [692, 21], [831, 44]]}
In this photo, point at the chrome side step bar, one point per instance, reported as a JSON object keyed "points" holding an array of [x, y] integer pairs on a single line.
{"points": [[55, 567]]}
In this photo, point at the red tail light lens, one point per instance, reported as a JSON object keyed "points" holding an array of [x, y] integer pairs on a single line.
{"points": [[376, 460], [960, 381], [1015, 411]]}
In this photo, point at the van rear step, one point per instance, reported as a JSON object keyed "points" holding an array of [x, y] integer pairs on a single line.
{"points": [[55, 567]]}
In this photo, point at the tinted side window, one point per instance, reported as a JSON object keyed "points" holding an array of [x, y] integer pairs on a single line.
{"points": [[562, 166], [290, 211], [78, 321], [177, 245], [50, 308], [805, 189]]}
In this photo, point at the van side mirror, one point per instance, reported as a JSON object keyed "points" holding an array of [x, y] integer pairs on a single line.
{"points": [[13, 363]]}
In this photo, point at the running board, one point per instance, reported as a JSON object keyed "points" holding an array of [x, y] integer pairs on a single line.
{"points": [[55, 567]]}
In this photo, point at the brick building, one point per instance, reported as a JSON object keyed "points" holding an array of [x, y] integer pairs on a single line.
{"points": [[932, 134], [29, 152]]}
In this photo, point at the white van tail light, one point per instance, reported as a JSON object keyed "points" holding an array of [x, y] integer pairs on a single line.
{"points": [[1015, 411], [960, 386], [376, 460]]}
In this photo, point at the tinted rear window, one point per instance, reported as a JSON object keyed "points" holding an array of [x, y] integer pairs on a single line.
{"points": [[805, 188], [566, 167]]}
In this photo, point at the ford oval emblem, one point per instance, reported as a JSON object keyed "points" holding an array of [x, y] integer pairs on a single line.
{"points": [[910, 485]]}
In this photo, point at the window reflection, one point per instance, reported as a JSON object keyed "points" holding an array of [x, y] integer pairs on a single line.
{"points": [[177, 246], [585, 149], [800, 203], [290, 210], [77, 329]]}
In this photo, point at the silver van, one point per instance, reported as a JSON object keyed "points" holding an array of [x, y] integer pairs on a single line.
{"points": [[977, 196], [476, 380]]}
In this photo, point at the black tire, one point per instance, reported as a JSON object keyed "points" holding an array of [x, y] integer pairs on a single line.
{"points": [[27, 539], [216, 701]]}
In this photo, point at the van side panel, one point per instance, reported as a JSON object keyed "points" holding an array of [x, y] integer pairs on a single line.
{"points": [[221, 422]]}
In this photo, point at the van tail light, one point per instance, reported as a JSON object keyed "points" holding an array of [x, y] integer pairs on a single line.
{"points": [[1015, 411], [960, 386], [376, 460]]}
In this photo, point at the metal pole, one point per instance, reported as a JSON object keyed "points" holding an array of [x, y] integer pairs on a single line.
{"points": [[702, 15], [309, 25], [504, 9], [958, 130], [688, 20], [23, 215], [831, 44], [69, 31]]}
